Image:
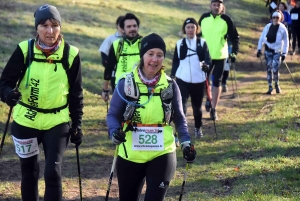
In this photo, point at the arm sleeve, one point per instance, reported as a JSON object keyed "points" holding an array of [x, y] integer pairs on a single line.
{"points": [[116, 109], [12, 73], [233, 36], [75, 93], [261, 38], [207, 57], [285, 41], [104, 58], [289, 19], [175, 62], [179, 118], [112, 61]]}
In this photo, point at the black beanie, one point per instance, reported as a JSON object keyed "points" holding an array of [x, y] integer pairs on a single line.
{"points": [[152, 41], [46, 12], [190, 20], [187, 21]]}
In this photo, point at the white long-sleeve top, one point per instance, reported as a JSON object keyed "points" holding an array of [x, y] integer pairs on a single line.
{"points": [[280, 45], [190, 69]]}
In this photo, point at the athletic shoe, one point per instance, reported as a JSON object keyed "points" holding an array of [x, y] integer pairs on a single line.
{"points": [[177, 142], [270, 90], [198, 133], [224, 88], [207, 106], [277, 87], [213, 114]]}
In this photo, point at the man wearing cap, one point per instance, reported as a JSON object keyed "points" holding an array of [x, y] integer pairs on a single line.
{"points": [[216, 29], [275, 38], [123, 53]]}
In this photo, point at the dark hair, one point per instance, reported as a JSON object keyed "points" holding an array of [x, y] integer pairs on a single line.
{"points": [[129, 16], [284, 5], [118, 21], [52, 20], [192, 21]]}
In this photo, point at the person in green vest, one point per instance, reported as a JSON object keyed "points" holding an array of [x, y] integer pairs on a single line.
{"points": [[123, 53], [143, 105], [48, 96], [217, 29]]}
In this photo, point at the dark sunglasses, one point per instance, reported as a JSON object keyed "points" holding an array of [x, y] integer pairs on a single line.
{"points": [[275, 17]]}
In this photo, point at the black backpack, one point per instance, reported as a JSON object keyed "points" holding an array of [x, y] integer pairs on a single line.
{"points": [[183, 49]]}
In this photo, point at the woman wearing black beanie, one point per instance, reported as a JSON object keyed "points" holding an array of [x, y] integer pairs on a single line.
{"points": [[48, 95], [143, 105]]}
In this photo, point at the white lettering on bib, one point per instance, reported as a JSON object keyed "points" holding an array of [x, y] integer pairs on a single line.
{"points": [[148, 139], [294, 16], [26, 148]]}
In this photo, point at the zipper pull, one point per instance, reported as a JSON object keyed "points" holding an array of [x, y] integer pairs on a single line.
{"points": [[55, 68]]}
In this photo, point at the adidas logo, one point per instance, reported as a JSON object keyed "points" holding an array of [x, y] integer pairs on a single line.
{"points": [[162, 185]]}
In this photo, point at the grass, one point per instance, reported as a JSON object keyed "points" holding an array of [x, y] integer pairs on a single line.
{"points": [[256, 155]]}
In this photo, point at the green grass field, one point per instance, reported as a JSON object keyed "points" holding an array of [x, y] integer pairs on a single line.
{"points": [[256, 155]]}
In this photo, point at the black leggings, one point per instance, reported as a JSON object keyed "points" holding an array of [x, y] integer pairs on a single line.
{"points": [[296, 37], [157, 173], [196, 91], [217, 72], [54, 141], [225, 77]]}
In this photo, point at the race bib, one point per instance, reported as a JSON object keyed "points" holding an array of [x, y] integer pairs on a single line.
{"points": [[273, 5], [294, 16], [26, 148], [148, 139]]}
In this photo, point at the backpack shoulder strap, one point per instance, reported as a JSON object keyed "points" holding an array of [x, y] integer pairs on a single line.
{"points": [[119, 48], [200, 45], [65, 57], [183, 49], [29, 52]]}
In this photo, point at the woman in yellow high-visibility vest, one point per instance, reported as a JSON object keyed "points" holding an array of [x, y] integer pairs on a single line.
{"points": [[143, 105]]}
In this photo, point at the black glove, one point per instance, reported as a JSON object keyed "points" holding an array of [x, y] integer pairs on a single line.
{"points": [[12, 98], [258, 54], [282, 58], [189, 152], [76, 136], [205, 68], [232, 57], [118, 137]]}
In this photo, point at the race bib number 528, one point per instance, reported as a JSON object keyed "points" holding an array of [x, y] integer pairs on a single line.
{"points": [[148, 139], [26, 148]]}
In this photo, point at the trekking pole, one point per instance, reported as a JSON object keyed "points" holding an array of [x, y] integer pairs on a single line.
{"points": [[111, 173], [79, 175], [6, 127], [234, 73], [291, 74], [232, 84], [210, 100], [184, 180]]}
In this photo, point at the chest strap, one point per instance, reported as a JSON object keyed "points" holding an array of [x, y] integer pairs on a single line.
{"points": [[45, 111]]}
